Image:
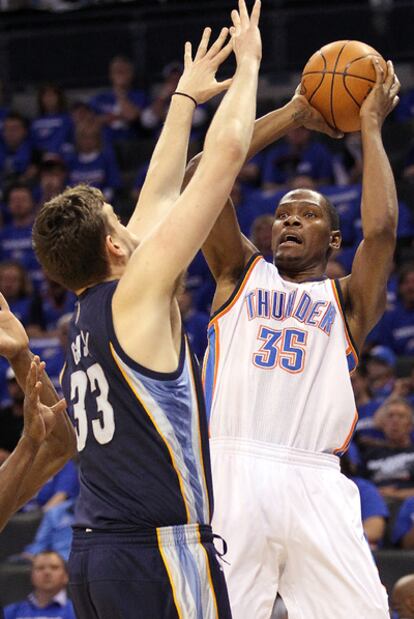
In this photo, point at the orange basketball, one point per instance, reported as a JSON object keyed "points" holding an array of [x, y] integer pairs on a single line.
{"points": [[336, 80]]}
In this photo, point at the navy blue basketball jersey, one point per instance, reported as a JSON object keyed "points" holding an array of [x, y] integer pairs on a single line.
{"points": [[142, 435]]}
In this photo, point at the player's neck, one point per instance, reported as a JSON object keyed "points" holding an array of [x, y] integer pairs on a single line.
{"points": [[299, 276]]}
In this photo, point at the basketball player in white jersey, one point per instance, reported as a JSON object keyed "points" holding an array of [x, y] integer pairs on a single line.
{"points": [[282, 341]]}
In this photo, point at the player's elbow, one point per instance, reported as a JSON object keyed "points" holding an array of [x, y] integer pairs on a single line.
{"points": [[232, 143]]}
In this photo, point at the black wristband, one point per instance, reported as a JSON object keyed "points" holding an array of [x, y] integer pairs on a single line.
{"points": [[184, 94]]}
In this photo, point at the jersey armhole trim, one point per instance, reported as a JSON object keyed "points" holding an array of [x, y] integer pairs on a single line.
{"points": [[337, 290], [134, 365], [255, 259]]}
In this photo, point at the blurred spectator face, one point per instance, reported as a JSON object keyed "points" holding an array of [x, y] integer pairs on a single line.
{"points": [[261, 234], [88, 139], [20, 203], [121, 73], [302, 182], [50, 100], [403, 597], [12, 283], [14, 132], [397, 421], [359, 383], [49, 573], [82, 114], [52, 181], [298, 137], [406, 289]]}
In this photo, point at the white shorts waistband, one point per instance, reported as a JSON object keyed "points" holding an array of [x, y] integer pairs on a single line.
{"points": [[271, 451]]}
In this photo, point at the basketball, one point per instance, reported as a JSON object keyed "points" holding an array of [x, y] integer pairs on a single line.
{"points": [[337, 79]]}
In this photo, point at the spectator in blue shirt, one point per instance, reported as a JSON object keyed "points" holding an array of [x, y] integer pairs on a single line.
{"points": [[17, 158], [61, 487], [402, 598], [120, 108], [396, 329], [16, 287], [297, 155], [52, 130], [16, 237], [92, 163], [153, 116], [374, 511], [54, 532], [380, 366], [54, 302], [195, 322], [49, 598], [403, 529], [53, 175], [366, 429]]}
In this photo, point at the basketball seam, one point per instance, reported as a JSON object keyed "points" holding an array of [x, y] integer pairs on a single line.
{"points": [[323, 77], [345, 74], [359, 77], [332, 83]]}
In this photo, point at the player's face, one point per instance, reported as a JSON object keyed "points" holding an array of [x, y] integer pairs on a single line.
{"points": [[48, 573], [301, 232]]}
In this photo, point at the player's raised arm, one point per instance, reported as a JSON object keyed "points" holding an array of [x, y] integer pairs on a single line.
{"points": [[197, 85], [17, 481], [365, 289], [226, 249], [14, 346], [164, 254]]}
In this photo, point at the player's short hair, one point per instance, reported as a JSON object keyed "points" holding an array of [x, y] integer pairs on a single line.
{"points": [[69, 237]]}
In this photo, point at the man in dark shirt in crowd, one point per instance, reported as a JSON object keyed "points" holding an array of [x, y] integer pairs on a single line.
{"points": [[403, 598], [391, 465]]}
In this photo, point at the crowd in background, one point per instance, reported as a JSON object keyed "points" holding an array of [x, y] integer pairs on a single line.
{"points": [[98, 141]]}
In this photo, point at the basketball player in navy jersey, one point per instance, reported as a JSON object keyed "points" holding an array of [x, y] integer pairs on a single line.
{"points": [[142, 542], [282, 341]]}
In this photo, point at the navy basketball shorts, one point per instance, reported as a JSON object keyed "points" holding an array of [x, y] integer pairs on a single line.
{"points": [[173, 573]]}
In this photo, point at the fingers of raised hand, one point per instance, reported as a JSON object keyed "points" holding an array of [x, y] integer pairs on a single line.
{"points": [[188, 55], [224, 53], [255, 16], [235, 17], [202, 48], [218, 43], [244, 15], [31, 379], [379, 71], [395, 102]]}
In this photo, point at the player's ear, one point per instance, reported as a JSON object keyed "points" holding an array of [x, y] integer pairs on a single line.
{"points": [[113, 247], [336, 239]]}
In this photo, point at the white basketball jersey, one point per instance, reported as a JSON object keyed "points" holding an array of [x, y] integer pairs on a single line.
{"points": [[278, 363]]}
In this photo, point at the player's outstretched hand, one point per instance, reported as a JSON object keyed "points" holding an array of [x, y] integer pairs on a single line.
{"points": [[39, 420], [247, 42], [199, 76], [308, 117], [383, 98], [13, 337]]}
